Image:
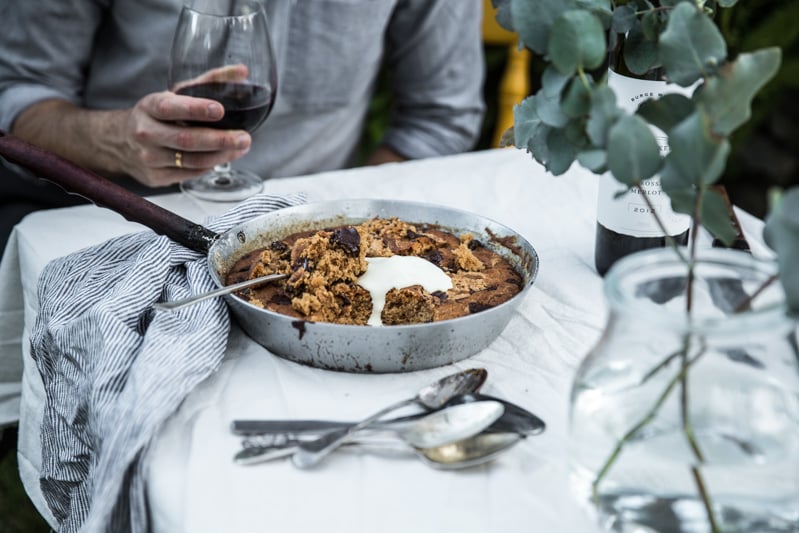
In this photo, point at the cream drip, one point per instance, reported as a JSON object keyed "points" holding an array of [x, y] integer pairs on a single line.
{"points": [[396, 272]]}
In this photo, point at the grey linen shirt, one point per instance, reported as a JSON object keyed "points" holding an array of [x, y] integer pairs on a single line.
{"points": [[107, 54]]}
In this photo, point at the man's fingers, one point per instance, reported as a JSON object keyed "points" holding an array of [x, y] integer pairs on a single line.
{"points": [[230, 73], [198, 139], [178, 159], [169, 107]]}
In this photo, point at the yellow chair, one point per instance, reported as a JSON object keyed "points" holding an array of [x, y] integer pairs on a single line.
{"points": [[514, 84]]}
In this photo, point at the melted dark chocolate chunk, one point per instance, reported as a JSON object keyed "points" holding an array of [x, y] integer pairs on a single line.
{"points": [[475, 307], [412, 235], [474, 244], [434, 256], [279, 246], [280, 299], [441, 295], [348, 239]]}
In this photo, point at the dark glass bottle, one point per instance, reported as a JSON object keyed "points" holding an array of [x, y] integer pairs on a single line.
{"points": [[626, 224]]}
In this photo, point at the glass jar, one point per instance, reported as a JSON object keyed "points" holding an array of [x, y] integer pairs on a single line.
{"points": [[674, 414]]}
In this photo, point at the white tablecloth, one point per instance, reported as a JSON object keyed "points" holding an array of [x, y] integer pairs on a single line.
{"points": [[193, 484]]}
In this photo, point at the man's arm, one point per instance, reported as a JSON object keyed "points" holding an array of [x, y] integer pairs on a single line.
{"points": [[48, 47], [384, 154], [435, 54], [140, 142]]}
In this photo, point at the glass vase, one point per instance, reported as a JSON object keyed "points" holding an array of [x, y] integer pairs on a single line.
{"points": [[685, 415]]}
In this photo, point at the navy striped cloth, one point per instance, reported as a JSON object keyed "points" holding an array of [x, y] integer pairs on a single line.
{"points": [[114, 371]]}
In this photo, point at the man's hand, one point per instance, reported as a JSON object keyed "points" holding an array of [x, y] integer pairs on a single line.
{"points": [[153, 137], [148, 142]]}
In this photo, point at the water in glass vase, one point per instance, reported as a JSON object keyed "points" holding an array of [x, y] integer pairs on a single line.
{"points": [[713, 448]]}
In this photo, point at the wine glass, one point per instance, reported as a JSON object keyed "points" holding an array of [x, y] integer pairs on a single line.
{"points": [[222, 50]]}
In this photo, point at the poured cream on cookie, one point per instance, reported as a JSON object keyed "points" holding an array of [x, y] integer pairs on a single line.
{"points": [[396, 272]]}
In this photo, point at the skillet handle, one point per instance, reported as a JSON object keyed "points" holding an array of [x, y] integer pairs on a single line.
{"points": [[105, 193]]}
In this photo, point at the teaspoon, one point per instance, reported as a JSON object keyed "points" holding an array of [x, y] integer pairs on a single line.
{"points": [[465, 453], [227, 289], [432, 396], [442, 427], [515, 419]]}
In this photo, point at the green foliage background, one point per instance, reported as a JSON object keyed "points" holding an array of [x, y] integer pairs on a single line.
{"points": [[765, 151]]}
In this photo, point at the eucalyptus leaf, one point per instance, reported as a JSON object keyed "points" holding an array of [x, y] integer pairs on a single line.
{"points": [[727, 97], [537, 144], [508, 138], [549, 110], [533, 21], [782, 234], [553, 82], [604, 113], [594, 160], [682, 200], [526, 122], [561, 152], [633, 152], [503, 14], [715, 217], [575, 133], [577, 41], [671, 3], [691, 46], [640, 53], [576, 100], [696, 151], [529, 131], [651, 25], [624, 18], [666, 111], [599, 8]]}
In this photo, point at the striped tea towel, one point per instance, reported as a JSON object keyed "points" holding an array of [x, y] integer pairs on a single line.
{"points": [[113, 370]]}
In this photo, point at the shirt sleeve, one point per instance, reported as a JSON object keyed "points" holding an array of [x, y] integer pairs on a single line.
{"points": [[46, 48], [435, 57]]}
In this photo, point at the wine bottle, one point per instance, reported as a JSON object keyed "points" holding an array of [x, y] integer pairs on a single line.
{"points": [[626, 224]]}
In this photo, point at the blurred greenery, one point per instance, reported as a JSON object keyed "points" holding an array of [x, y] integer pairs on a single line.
{"points": [[17, 513], [765, 151]]}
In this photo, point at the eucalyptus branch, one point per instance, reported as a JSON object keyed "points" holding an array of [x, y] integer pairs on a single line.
{"points": [[747, 302], [696, 221], [687, 427], [646, 420], [661, 365], [584, 78], [685, 413], [688, 47], [705, 495], [669, 241]]}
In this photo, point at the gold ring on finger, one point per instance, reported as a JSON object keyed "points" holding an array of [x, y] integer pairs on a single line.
{"points": [[179, 159]]}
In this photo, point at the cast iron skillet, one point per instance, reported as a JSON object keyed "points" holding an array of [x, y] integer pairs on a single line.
{"points": [[322, 345]]}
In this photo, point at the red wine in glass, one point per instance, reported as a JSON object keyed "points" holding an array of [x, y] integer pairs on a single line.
{"points": [[246, 104], [222, 50]]}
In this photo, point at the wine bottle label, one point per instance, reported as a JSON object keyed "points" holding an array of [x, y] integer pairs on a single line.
{"points": [[631, 213]]}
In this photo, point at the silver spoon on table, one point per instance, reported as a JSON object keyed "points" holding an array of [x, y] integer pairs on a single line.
{"points": [[515, 419], [465, 453], [439, 428], [432, 396], [469, 452]]}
